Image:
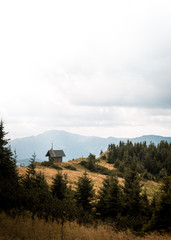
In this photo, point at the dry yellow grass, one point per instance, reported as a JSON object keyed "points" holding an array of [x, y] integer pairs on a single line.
{"points": [[107, 165], [73, 176], [24, 228]]}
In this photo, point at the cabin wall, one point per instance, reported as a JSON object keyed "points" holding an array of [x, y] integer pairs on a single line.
{"points": [[55, 159]]}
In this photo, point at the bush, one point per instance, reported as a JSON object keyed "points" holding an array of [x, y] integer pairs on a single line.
{"points": [[70, 167], [46, 164], [104, 157], [56, 167], [96, 168], [51, 165], [102, 170], [83, 163]]}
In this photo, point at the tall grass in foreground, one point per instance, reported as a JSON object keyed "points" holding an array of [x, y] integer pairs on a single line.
{"points": [[24, 228]]}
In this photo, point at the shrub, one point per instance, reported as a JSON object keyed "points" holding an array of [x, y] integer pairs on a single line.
{"points": [[96, 168], [46, 164], [56, 167], [70, 167], [51, 165]]}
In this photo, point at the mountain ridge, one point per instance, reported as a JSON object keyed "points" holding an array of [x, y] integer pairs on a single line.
{"points": [[74, 145]]}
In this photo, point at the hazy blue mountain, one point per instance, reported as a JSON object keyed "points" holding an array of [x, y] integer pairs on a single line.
{"points": [[74, 145]]}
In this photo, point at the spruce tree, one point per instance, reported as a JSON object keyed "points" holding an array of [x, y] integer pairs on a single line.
{"points": [[132, 191], [40, 196], [102, 207], [84, 192], [59, 186], [162, 210], [36, 195], [9, 186], [31, 168], [114, 199], [110, 199], [63, 205], [91, 162], [29, 178], [136, 207]]}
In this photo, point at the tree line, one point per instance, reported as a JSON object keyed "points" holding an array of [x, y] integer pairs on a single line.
{"points": [[153, 162], [122, 207]]}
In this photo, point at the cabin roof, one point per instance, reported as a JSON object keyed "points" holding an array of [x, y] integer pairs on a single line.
{"points": [[55, 153]]}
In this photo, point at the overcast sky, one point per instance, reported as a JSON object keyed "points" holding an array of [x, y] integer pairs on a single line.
{"points": [[90, 67]]}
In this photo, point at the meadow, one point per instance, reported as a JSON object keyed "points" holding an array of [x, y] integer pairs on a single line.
{"points": [[25, 228], [151, 187]]}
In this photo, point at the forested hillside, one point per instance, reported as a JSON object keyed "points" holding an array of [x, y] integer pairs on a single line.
{"points": [[121, 204], [153, 162]]}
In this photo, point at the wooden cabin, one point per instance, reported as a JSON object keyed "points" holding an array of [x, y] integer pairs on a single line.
{"points": [[55, 156]]}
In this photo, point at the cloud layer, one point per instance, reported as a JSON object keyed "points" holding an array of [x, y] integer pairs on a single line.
{"points": [[95, 68]]}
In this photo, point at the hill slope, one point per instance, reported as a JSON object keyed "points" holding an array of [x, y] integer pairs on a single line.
{"points": [[73, 175]]}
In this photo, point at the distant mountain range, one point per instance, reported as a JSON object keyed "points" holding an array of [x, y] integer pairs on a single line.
{"points": [[73, 145]]}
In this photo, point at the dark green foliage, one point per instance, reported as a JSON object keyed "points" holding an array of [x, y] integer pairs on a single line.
{"points": [[102, 170], [47, 164], [161, 220], [167, 164], [136, 209], [15, 157], [92, 166], [95, 168], [63, 205], [36, 195], [91, 162], [84, 163], [112, 155], [84, 193], [51, 165], [62, 210], [55, 166], [132, 191], [109, 203], [84, 196], [101, 152], [126, 206], [59, 186], [31, 168], [153, 162], [70, 167], [9, 186]]}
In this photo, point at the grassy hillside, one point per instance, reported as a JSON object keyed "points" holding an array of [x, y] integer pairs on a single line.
{"points": [[78, 170]]}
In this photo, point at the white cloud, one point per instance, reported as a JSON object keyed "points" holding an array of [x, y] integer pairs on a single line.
{"points": [[94, 67]]}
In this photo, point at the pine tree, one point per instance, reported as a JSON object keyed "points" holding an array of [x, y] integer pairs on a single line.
{"points": [[101, 207], [9, 186], [36, 195], [91, 162], [84, 192], [31, 168], [114, 199], [110, 198], [29, 178], [162, 210], [63, 205], [59, 186], [132, 191], [40, 195], [136, 209]]}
